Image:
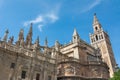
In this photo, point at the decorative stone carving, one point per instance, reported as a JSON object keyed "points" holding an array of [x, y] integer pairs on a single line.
{"points": [[11, 39]]}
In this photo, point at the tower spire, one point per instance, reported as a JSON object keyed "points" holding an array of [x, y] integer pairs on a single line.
{"points": [[36, 44], [95, 20], [29, 36], [6, 35], [96, 24], [76, 37], [30, 31], [57, 45], [11, 39], [37, 41], [46, 42], [20, 41], [21, 35], [75, 33]]}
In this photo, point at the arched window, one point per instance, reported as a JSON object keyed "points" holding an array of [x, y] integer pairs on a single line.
{"points": [[102, 36], [74, 37], [96, 38], [96, 28]]}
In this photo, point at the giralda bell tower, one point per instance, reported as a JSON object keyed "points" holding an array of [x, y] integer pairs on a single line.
{"points": [[100, 39]]}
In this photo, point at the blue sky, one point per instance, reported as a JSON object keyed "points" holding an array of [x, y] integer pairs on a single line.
{"points": [[56, 19]]}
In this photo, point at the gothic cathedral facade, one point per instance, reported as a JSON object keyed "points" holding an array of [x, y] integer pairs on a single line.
{"points": [[77, 60]]}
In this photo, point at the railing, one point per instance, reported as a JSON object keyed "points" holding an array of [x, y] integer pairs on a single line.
{"points": [[70, 59], [16, 49], [25, 52]]}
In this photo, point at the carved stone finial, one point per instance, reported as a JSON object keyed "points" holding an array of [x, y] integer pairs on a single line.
{"points": [[57, 45], [30, 30], [46, 42], [6, 35], [21, 35], [20, 38], [11, 39], [37, 42], [22, 43]]}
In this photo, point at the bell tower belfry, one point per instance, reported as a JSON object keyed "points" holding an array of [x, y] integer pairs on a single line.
{"points": [[96, 25], [100, 39]]}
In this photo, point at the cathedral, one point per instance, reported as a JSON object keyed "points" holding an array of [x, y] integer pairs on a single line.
{"points": [[77, 60]]}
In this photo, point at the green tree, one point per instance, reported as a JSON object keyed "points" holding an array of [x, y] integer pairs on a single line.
{"points": [[116, 75]]}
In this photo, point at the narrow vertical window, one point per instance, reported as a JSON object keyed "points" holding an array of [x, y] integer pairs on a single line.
{"points": [[49, 77], [37, 76], [96, 38], [101, 36], [23, 75], [12, 65]]}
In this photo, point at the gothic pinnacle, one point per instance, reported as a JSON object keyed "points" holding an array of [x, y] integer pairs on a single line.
{"points": [[29, 36], [75, 32], [76, 37], [46, 42], [37, 40], [30, 31], [95, 20], [21, 35], [6, 35]]}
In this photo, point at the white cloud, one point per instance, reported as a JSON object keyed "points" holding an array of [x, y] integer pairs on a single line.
{"points": [[40, 27], [39, 19], [91, 6], [44, 19], [53, 17]]}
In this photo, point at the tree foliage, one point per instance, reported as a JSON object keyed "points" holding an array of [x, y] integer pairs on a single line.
{"points": [[116, 75]]}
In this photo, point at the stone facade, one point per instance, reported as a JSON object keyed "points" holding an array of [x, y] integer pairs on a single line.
{"points": [[100, 39], [24, 60]]}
